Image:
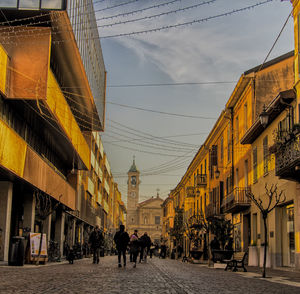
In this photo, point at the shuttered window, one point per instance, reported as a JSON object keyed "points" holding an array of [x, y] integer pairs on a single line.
{"points": [[255, 165]]}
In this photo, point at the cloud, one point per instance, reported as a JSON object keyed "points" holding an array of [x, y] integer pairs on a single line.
{"points": [[203, 51]]}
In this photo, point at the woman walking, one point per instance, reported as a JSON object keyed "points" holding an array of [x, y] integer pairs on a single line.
{"points": [[134, 247]]}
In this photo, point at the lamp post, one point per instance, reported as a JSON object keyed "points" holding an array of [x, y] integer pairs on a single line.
{"points": [[264, 117]]}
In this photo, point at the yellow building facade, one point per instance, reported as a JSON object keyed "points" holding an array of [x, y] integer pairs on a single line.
{"points": [[225, 168]]}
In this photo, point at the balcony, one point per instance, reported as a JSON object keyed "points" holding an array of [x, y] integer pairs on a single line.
{"points": [[201, 180], [190, 191], [212, 210], [287, 161], [236, 201]]}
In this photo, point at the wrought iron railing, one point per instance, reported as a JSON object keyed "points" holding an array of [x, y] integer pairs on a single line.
{"points": [[201, 180], [212, 210], [287, 157], [237, 198], [190, 191]]}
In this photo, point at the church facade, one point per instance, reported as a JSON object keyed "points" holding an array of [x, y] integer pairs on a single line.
{"points": [[143, 216]]}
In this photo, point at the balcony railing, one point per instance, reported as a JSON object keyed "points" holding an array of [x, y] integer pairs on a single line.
{"points": [[236, 201], [190, 191], [212, 210], [287, 160], [201, 180]]}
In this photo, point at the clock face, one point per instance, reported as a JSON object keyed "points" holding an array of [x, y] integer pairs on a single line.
{"points": [[132, 194], [133, 181]]}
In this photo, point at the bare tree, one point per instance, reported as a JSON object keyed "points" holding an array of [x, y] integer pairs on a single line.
{"points": [[44, 208], [274, 198]]}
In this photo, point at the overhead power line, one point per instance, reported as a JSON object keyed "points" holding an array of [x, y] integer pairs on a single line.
{"points": [[187, 23], [161, 112], [149, 30], [156, 15], [125, 127], [277, 38], [170, 84], [117, 5], [138, 10]]}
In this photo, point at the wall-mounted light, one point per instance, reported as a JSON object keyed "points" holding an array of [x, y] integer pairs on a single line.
{"points": [[264, 117], [217, 173]]}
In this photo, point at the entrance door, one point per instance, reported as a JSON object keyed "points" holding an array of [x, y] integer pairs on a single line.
{"points": [[288, 236]]}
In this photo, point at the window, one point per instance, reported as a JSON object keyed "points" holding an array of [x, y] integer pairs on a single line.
{"points": [[157, 220], [222, 148], [145, 220], [237, 129], [8, 3], [246, 173], [266, 154], [254, 228], [298, 41], [255, 165], [245, 117], [34, 4], [228, 144]]}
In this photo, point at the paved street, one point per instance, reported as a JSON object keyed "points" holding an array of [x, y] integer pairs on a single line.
{"points": [[157, 276]]}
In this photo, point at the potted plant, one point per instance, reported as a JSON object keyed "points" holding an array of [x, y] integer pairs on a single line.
{"points": [[253, 254]]}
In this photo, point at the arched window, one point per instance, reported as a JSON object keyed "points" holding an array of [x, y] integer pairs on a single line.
{"points": [[145, 220]]}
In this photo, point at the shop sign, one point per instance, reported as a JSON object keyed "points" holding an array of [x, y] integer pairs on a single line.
{"points": [[35, 244]]}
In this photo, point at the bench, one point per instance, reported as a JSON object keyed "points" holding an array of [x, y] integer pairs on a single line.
{"points": [[237, 261]]}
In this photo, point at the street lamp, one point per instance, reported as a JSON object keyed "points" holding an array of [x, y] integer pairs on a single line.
{"points": [[264, 117]]}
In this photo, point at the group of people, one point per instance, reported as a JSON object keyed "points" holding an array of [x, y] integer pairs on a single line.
{"points": [[137, 246]]}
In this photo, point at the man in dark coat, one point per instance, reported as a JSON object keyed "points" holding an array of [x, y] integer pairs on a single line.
{"points": [[145, 242], [121, 239], [96, 240]]}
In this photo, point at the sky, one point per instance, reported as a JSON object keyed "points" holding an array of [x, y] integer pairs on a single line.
{"points": [[210, 43]]}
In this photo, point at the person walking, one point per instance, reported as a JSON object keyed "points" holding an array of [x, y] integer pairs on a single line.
{"points": [[121, 239], [134, 246], [145, 243], [95, 240]]}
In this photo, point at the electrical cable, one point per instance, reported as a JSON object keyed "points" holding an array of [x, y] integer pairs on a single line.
{"points": [[148, 136], [150, 146], [139, 10], [161, 112], [229, 13], [277, 38], [171, 84], [156, 15]]}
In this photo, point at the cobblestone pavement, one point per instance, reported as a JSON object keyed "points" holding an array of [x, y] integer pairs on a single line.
{"points": [[157, 276]]}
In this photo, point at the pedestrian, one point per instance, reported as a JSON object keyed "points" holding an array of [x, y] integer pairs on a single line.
{"points": [[145, 243], [229, 245], [134, 247], [152, 248], [130, 252], [214, 244], [95, 240], [121, 239], [163, 251]]}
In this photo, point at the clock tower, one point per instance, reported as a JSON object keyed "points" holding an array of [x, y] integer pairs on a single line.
{"points": [[132, 197]]}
